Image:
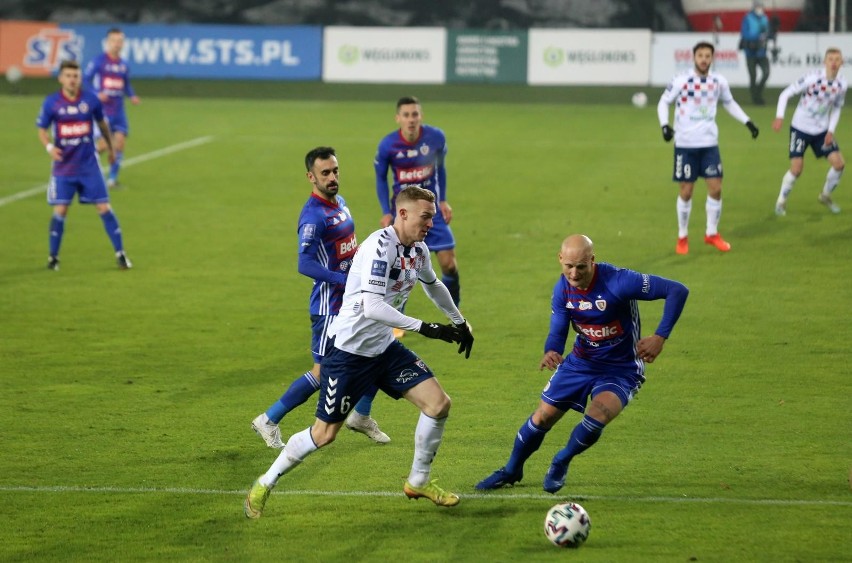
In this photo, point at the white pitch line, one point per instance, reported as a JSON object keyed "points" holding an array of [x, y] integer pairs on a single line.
{"points": [[129, 162], [478, 496]]}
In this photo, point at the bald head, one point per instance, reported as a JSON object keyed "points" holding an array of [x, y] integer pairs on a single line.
{"points": [[577, 257]]}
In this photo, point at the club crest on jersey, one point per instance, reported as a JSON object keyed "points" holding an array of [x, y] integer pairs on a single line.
{"points": [[424, 149], [585, 305], [380, 268], [600, 304]]}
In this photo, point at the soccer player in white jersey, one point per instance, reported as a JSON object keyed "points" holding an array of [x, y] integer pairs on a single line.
{"points": [[814, 121], [696, 93], [384, 270]]}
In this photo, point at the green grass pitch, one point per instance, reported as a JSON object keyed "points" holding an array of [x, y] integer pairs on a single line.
{"points": [[127, 396]]}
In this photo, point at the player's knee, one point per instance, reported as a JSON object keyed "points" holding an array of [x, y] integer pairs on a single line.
{"points": [[438, 408], [323, 436]]}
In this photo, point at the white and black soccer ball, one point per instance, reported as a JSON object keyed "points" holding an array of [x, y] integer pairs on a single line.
{"points": [[639, 99], [567, 525]]}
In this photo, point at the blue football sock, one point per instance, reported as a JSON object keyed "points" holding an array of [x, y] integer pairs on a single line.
{"points": [[452, 283], [582, 438], [527, 441], [113, 230], [298, 392], [365, 404], [57, 228], [116, 166]]}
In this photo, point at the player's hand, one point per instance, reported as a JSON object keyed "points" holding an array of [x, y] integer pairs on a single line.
{"points": [[446, 211], [649, 348], [102, 97], [777, 123], [668, 133], [753, 128], [466, 341], [111, 155], [135, 100], [447, 333], [386, 221], [551, 360]]}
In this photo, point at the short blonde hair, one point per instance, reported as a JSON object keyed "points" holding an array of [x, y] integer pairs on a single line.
{"points": [[414, 193]]}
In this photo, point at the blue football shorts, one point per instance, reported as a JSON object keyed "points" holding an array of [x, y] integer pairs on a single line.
{"points": [[440, 236], [345, 377], [800, 141], [90, 188], [575, 381], [691, 164], [320, 342]]}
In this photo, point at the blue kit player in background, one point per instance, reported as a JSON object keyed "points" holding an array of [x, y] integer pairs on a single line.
{"points": [[65, 128], [415, 154], [327, 244], [600, 301], [109, 75], [696, 94]]}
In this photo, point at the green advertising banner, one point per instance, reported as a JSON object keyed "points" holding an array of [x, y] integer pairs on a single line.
{"points": [[486, 56]]}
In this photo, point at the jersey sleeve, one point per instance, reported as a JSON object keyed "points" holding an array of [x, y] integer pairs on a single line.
{"points": [[128, 89], [89, 75], [374, 277], [97, 108], [45, 115], [310, 237], [441, 170], [560, 321], [381, 164], [667, 98], [646, 287], [793, 89]]}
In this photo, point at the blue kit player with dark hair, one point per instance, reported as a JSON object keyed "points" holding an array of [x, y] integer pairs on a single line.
{"points": [[327, 244], [65, 127], [415, 155], [600, 302], [109, 75]]}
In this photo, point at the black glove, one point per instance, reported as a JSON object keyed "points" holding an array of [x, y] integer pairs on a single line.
{"points": [[753, 128], [668, 133], [466, 342], [447, 333]]}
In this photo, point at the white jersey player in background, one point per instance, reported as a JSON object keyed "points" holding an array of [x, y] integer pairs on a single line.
{"points": [[696, 94], [385, 269], [814, 121]]}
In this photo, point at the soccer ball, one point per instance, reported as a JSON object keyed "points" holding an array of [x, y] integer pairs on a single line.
{"points": [[567, 525], [639, 99]]}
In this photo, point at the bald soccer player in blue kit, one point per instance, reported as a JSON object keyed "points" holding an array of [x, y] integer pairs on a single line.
{"points": [[600, 302]]}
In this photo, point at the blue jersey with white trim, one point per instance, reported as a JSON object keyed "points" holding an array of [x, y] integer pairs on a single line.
{"points": [[327, 235], [420, 164], [72, 124], [606, 315], [110, 76]]}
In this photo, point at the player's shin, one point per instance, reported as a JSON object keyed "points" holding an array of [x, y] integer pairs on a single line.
{"points": [[527, 441], [299, 446], [427, 440]]}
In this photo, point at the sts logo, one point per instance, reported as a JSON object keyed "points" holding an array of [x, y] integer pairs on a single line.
{"points": [[50, 46]]}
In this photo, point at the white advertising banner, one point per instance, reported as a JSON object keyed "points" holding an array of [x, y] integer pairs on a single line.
{"points": [[790, 57], [384, 55], [586, 56]]}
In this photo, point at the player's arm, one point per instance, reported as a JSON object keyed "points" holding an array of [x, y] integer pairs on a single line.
{"points": [[438, 293], [733, 108], [834, 117], [647, 287], [101, 122], [128, 89], [560, 322], [783, 98], [441, 188], [89, 76], [309, 263], [666, 100], [381, 164], [54, 151]]}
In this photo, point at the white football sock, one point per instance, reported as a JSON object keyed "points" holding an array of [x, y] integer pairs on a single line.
{"points": [[831, 180], [786, 186], [684, 209], [713, 207], [427, 439], [299, 446]]}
